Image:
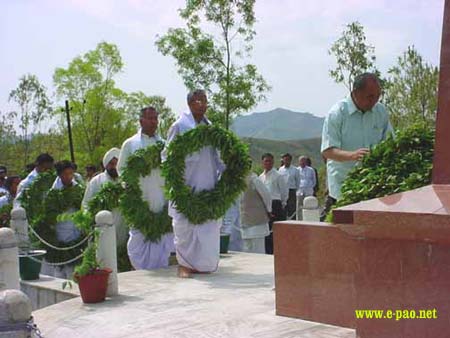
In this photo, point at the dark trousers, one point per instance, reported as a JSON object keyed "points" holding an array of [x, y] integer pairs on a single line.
{"points": [[291, 205], [279, 214], [329, 202]]}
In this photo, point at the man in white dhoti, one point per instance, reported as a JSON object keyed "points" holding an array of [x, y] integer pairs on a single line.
{"points": [[256, 208], [197, 245], [44, 162], [145, 254], [95, 184], [66, 231]]}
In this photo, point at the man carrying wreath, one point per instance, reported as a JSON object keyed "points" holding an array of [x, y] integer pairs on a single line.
{"points": [[143, 253], [197, 245]]}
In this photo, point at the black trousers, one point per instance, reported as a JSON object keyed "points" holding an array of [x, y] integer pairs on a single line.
{"points": [[329, 202], [291, 205], [279, 214]]}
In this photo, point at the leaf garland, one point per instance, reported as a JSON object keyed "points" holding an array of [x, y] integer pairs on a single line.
{"points": [[199, 207], [397, 164], [135, 210]]}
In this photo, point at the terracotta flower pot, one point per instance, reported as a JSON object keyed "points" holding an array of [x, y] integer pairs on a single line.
{"points": [[93, 286]]}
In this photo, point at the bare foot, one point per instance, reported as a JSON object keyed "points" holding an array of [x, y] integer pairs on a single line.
{"points": [[184, 272]]}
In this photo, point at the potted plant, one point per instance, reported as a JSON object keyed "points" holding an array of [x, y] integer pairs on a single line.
{"points": [[91, 278]]}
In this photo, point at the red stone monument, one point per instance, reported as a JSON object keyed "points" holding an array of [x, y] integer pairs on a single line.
{"points": [[391, 253]]}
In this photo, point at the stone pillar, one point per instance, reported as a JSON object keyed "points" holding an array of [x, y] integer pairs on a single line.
{"points": [[9, 260], [311, 212], [15, 312], [107, 248], [19, 224]]}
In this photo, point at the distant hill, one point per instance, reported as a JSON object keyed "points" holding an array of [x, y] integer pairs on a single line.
{"points": [[278, 124], [296, 148]]}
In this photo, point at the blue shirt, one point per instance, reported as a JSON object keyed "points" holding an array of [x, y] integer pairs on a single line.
{"points": [[348, 128]]}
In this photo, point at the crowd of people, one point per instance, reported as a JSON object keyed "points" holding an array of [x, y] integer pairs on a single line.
{"points": [[352, 126]]}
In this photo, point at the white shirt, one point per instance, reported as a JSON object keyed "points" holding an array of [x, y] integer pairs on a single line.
{"points": [[94, 186], [307, 181], [202, 168], [276, 184], [152, 186], [24, 184], [292, 176]]}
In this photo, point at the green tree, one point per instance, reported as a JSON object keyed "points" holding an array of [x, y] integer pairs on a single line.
{"points": [[353, 55], [34, 105], [215, 62], [411, 91]]}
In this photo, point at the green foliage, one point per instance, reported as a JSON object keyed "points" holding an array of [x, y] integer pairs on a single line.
{"points": [[89, 262], [135, 210], [44, 207], [34, 105], [411, 91], [211, 61], [5, 215], [102, 115], [199, 207], [397, 164], [353, 55]]}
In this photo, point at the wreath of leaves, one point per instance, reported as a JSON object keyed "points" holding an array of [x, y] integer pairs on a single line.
{"points": [[397, 164], [134, 209], [44, 206], [199, 207]]}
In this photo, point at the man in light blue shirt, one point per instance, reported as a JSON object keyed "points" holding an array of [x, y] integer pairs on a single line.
{"points": [[352, 126]]}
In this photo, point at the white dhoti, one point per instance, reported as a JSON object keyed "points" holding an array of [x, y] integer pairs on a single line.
{"points": [[197, 246], [146, 255]]}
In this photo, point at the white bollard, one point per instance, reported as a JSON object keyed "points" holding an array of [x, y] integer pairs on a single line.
{"points": [[311, 211], [9, 260], [19, 224], [15, 314], [107, 248]]}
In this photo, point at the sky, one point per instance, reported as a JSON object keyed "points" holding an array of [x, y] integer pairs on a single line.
{"points": [[290, 48]]}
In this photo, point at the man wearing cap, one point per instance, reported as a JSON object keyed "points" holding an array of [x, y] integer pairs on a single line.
{"points": [[143, 253], [95, 184]]}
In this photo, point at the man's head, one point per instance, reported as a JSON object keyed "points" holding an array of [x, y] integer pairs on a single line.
{"points": [[308, 162], [65, 170], [267, 161], [149, 120], [198, 103], [11, 184], [287, 159], [110, 162], [302, 161], [90, 170], [44, 162], [366, 91], [3, 172]]}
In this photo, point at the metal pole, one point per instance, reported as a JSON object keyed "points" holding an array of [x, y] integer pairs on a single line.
{"points": [[69, 128]]}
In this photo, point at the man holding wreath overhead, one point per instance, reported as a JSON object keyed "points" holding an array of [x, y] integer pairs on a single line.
{"points": [[197, 245]]}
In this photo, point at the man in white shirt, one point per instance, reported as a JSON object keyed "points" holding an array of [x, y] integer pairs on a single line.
{"points": [[95, 184], [197, 245], [276, 184], [306, 186], [292, 176], [143, 253]]}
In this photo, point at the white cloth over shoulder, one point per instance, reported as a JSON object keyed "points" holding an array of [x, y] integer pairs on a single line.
{"points": [[146, 254], [197, 245], [93, 187]]}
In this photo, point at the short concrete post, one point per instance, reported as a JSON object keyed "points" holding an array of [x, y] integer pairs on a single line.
{"points": [[311, 212], [15, 313], [19, 224], [107, 249], [9, 260]]}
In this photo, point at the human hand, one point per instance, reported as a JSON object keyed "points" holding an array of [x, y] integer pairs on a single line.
{"points": [[358, 154]]}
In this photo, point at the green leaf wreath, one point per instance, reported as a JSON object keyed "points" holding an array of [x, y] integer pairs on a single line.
{"points": [[134, 209], [202, 206]]}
